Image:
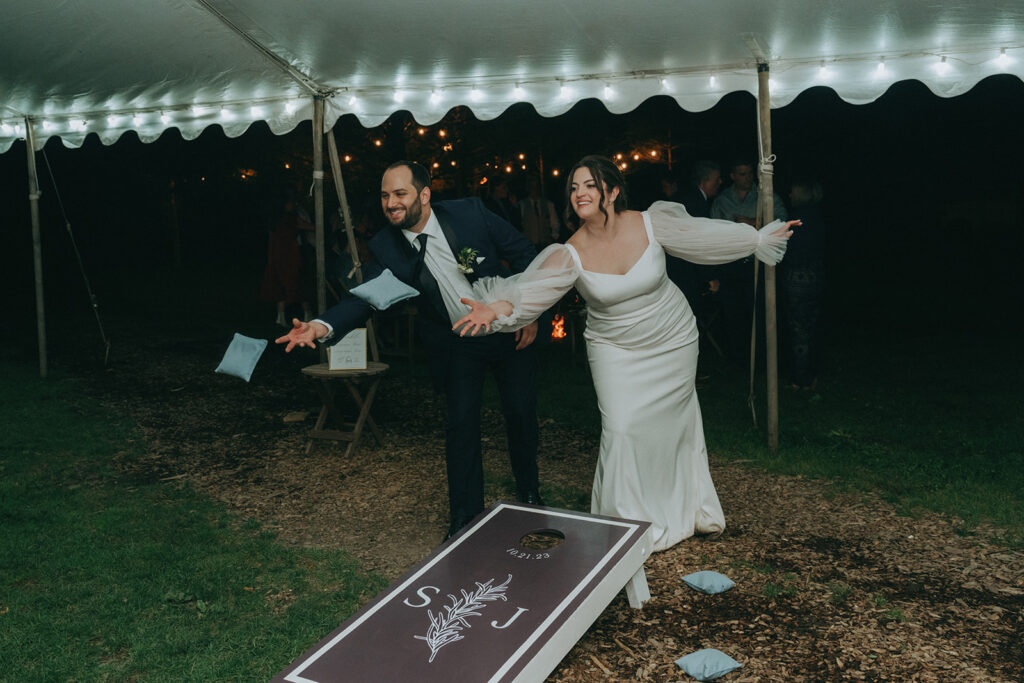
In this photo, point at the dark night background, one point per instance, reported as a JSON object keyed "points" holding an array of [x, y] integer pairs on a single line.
{"points": [[924, 198]]}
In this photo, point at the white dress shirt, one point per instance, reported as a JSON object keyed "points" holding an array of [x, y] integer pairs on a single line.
{"points": [[443, 266]]}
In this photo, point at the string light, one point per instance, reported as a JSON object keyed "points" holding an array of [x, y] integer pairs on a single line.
{"points": [[348, 158], [255, 111], [654, 153], [521, 156], [111, 120], [555, 172], [435, 164], [164, 118], [623, 165], [422, 131], [524, 167], [290, 106], [476, 94], [377, 143], [137, 120], [1003, 60], [942, 67], [713, 80], [435, 97], [47, 125], [442, 133], [353, 101], [6, 128], [636, 157], [518, 93], [618, 156], [508, 169], [609, 94]]}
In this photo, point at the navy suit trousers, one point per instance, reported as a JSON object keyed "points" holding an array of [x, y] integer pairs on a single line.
{"points": [[516, 375]]}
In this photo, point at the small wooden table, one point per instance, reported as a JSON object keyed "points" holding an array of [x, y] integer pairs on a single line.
{"points": [[351, 379]]}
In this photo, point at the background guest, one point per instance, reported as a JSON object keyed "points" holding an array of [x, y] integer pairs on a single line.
{"points": [[803, 286]]}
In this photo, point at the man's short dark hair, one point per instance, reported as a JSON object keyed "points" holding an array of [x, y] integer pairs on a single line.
{"points": [[420, 175], [703, 169], [740, 162]]}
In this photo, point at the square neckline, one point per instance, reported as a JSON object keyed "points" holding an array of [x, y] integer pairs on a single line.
{"points": [[650, 242]]}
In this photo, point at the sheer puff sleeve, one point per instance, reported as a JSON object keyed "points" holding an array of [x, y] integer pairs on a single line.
{"points": [[544, 282], [710, 241]]}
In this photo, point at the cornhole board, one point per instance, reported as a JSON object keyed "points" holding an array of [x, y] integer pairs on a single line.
{"points": [[484, 607]]}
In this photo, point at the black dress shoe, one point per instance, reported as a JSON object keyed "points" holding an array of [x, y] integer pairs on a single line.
{"points": [[456, 526], [531, 497]]}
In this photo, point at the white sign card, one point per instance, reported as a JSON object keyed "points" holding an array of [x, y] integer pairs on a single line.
{"points": [[350, 352]]}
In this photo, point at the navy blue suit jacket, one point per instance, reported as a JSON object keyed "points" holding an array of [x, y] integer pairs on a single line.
{"points": [[466, 223]]}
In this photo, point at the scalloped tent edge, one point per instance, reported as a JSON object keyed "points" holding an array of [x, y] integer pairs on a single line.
{"points": [[79, 68]]}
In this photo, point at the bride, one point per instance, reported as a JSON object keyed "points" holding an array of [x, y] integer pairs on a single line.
{"points": [[641, 341]]}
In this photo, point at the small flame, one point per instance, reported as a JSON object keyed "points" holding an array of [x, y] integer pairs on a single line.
{"points": [[558, 328]]}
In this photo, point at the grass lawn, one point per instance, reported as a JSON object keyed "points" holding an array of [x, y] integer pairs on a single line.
{"points": [[102, 578], [106, 578]]}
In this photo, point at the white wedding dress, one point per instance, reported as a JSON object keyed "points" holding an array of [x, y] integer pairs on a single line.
{"points": [[642, 346]]}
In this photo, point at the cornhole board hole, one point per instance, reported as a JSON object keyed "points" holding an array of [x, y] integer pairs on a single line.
{"points": [[504, 600]]}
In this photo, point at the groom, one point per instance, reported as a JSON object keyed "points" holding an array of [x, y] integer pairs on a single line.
{"points": [[425, 247]]}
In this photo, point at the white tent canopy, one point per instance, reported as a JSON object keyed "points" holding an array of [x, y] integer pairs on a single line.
{"points": [[76, 67]]}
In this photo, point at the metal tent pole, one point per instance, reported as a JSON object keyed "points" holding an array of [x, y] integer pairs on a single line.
{"points": [[37, 247]]}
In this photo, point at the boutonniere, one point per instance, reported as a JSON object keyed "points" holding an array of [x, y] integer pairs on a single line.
{"points": [[466, 259]]}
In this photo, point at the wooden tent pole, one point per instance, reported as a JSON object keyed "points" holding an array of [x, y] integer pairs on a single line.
{"points": [[37, 245], [350, 232], [766, 194], [318, 201]]}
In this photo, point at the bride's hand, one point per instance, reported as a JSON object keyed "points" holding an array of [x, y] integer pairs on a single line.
{"points": [[480, 316], [786, 230]]}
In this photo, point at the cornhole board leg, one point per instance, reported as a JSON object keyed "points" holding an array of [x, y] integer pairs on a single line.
{"points": [[491, 604], [637, 591]]}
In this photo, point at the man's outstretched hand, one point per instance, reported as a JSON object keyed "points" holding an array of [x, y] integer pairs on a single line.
{"points": [[302, 334]]}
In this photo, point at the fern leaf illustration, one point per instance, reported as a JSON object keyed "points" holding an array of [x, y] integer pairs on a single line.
{"points": [[446, 626]]}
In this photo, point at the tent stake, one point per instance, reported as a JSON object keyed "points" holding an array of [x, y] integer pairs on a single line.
{"points": [[766, 193], [37, 247]]}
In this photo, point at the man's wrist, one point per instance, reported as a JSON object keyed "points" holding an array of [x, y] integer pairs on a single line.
{"points": [[321, 330]]}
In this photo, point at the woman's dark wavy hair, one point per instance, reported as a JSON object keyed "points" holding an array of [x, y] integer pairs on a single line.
{"points": [[606, 174]]}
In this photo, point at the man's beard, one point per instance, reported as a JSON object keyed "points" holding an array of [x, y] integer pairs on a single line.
{"points": [[412, 216]]}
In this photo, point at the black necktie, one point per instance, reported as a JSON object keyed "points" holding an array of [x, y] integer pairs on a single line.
{"points": [[426, 280], [418, 268]]}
